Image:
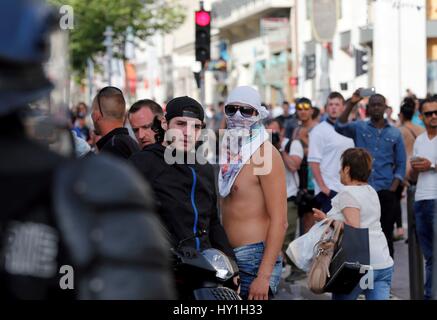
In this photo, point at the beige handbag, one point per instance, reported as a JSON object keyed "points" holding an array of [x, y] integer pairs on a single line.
{"points": [[324, 250]]}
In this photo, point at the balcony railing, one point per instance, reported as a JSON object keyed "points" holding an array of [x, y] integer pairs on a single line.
{"points": [[227, 12]]}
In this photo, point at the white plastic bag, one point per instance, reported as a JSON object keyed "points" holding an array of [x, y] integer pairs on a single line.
{"points": [[301, 250]]}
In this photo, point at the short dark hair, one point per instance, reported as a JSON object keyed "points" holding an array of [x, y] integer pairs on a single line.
{"points": [[285, 102], [431, 99], [316, 113], [336, 95], [270, 121], [304, 100], [376, 96], [116, 109], [408, 108], [146, 103], [359, 161], [81, 104]]}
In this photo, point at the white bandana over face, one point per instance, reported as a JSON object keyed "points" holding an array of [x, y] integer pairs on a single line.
{"points": [[243, 137], [238, 121]]}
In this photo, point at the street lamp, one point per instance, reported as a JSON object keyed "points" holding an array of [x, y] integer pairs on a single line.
{"points": [[108, 44]]}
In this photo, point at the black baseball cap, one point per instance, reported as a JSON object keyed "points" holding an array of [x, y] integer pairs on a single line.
{"points": [[184, 107]]}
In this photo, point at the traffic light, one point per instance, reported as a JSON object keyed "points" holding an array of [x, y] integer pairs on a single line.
{"points": [[310, 66], [361, 62], [203, 36]]}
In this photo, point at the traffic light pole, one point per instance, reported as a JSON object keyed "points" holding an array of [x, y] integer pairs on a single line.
{"points": [[109, 54], [415, 257], [202, 87], [434, 267], [202, 45], [202, 71]]}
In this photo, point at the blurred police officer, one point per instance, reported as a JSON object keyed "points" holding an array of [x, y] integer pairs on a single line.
{"points": [[68, 228]]}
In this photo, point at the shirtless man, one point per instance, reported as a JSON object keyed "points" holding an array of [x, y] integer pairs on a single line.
{"points": [[254, 201], [409, 130]]}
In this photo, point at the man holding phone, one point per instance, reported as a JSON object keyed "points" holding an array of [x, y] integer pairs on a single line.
{"points": [[385, 144], [424, 163]]}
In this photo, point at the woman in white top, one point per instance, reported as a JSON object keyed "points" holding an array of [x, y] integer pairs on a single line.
{"points": [[358, 206]]}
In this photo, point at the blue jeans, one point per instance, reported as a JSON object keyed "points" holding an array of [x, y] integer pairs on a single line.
{"points": [[424, 213], [249, 258], [381, 287]]}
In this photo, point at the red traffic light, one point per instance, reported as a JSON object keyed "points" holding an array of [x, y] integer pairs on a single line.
{"points": [[203, 18], [293, 81]]}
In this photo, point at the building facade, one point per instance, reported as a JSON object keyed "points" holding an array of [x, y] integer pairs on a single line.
{"points": [[278, 47], [380, 43], [374, 43], [258, 38]]}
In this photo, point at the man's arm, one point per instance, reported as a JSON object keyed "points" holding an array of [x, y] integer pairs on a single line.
{"points": [[350, 104], [275, 197], [421, 165], [342, 126], [291, 162], [315, 154], [293, 158], [315, 167], [400, 163]]}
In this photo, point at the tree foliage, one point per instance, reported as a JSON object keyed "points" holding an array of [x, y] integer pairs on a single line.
{"points": [[91, 17]]}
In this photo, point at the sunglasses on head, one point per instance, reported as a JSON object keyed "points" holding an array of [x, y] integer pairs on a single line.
{"points": [[429, 114], [246, 112], [101, 91], [303, 106]]}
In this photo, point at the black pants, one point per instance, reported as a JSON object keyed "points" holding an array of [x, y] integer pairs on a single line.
{"points": [[388, 199], [398, 209]]}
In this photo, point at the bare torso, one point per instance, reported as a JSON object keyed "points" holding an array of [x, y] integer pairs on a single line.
{"points": [[244, 211], [409, 133]]}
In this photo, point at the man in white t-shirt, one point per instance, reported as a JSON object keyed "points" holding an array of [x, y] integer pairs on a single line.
{"points": [[325, 149], [424, 162], [292, 154]]}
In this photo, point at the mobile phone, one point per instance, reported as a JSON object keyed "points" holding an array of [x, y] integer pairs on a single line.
{"points": [[367, 92], [415, 159]]}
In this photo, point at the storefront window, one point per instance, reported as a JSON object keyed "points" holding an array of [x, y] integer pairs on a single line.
{"points": [[432, 77]]}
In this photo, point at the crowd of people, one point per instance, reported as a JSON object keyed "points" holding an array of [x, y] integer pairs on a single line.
{"points": [[140, 186], [254, 217]]}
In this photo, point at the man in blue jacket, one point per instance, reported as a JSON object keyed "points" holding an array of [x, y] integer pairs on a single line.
{"points": [[385, 144], [184, 188]]}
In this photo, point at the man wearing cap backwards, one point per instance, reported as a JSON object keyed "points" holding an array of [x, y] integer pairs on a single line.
{"points": [[185, 191], [254, 200]]}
